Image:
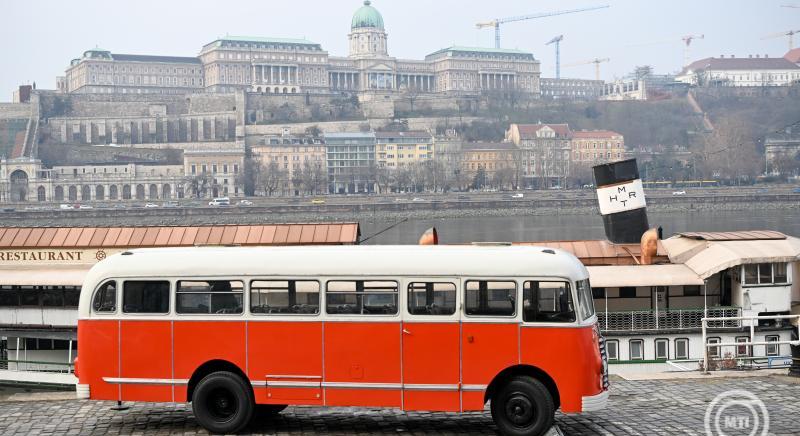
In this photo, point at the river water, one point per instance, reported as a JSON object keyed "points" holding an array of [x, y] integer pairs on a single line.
{"points": [[572, 227]]}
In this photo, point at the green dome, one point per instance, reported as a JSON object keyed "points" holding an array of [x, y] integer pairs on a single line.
{"points": [[367, 16]]}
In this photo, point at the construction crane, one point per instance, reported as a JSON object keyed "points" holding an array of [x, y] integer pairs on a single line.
{"points": [[686, 39], [557, 41], [789, 33], [596, 62], [498, 21]]}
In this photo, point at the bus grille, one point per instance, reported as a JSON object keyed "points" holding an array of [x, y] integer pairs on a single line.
{"points": [[604, 356]]}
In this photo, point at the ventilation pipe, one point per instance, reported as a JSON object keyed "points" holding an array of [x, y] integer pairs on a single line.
{"points": [[620, 196], [430, 237]]}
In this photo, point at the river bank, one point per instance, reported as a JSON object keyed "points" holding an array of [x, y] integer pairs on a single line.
{"points": [[385, 211]]}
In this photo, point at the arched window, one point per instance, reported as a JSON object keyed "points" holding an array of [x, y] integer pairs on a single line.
{"points": [[140, 192], [126, 192], [86, 193], [59, 193], [113, 193], [153, 192], [41, 194], [73, 193], [166, 192], [99, 192]]}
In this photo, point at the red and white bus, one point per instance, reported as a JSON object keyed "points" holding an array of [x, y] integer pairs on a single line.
{"points": [[239, 331]]}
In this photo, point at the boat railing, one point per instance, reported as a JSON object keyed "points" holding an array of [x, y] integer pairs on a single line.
{"points": [[668, 319], [36, 366]]}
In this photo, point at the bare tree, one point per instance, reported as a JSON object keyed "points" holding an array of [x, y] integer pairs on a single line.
{"points": [[199, 185], [269, 177], [728, 152]]}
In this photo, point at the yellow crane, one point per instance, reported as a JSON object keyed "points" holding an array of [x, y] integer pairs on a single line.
{"points": [[596, 62], [789, 33], [498, 21]]}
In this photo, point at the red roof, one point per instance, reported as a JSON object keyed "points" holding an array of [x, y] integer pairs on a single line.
{"points": [[793, 55], [741, 64], [528, 131], [177, 236], [591, 134]]}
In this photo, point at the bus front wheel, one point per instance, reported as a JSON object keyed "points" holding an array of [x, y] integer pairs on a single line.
{"points": [[222, 402], [523, 407]]}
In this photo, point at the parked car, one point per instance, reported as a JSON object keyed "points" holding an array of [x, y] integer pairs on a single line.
{"points": [[518, 195], [150, 205], [170, 204], [245, 203], [796, 190], [679, 193], [221, 201], [417, 199], [317, 201], [65, 207], [120, 206], [83, 206]]}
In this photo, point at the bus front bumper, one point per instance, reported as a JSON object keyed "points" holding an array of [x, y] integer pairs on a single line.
{"points": [[594, 402]]}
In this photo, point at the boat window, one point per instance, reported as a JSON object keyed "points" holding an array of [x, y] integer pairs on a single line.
{"points": [[713, 351], [765, 273], [431, 298], [751, 274], [772, 350], [105, 299], [284, 296], [682, 348], [662, 348], [546, 301], [361, 297], [779, 270], [145, 297], [490, 298], [636, 349], [209, 296], [742, 350], [612, 349]]}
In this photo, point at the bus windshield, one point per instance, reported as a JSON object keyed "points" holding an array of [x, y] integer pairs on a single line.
{"points": [[585, 300]]}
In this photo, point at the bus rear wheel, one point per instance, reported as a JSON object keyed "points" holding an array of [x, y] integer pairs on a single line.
{"points": [[523, 407], [222, 402]]}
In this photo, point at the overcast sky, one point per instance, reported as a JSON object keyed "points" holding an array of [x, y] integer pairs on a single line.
{"points": [[39, 37]]}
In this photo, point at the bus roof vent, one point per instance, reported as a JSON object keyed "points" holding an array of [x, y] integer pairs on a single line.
{"points": [[491, 244], [548, 251], [126, 253]]}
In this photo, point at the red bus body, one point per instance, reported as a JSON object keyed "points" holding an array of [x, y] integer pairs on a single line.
{"points": [[406, 362]]}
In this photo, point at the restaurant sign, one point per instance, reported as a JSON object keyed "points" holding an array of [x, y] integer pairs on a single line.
{"points": [[54, 256]]}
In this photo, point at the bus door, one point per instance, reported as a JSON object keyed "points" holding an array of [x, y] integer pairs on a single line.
{"points": [[489, 335], [361, 343], [431, 345], [146, 341]]}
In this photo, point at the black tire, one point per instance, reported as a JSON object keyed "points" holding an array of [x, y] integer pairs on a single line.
{"points": [[223, 403], [523, 407]]}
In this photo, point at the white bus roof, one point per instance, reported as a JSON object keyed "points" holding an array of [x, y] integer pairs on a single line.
{"points": [[379, 260]]}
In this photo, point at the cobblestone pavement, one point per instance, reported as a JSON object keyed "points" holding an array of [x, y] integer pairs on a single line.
{"points": [[636, 408]]}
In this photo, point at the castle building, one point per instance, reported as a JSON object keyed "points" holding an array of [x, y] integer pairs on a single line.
{"points": [[290, 66]]}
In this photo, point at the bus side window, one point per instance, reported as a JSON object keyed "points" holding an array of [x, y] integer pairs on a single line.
{"points": [[284, 296], [145, 297], [105, 298], [545, 301], [361, 297], [490, 298], [429, 298], [209, 296]]}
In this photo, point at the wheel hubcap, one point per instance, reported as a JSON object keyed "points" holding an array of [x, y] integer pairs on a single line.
{"points": [[519, 410], [222, 404]]}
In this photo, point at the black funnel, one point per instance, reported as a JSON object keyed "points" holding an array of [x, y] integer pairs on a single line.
{"points": [[620, 196]]}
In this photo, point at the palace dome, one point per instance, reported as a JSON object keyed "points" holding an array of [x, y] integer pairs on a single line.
{"points": [[367, 16]]}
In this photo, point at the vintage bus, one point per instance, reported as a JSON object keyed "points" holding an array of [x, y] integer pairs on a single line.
{"points": [[239, 331]]}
